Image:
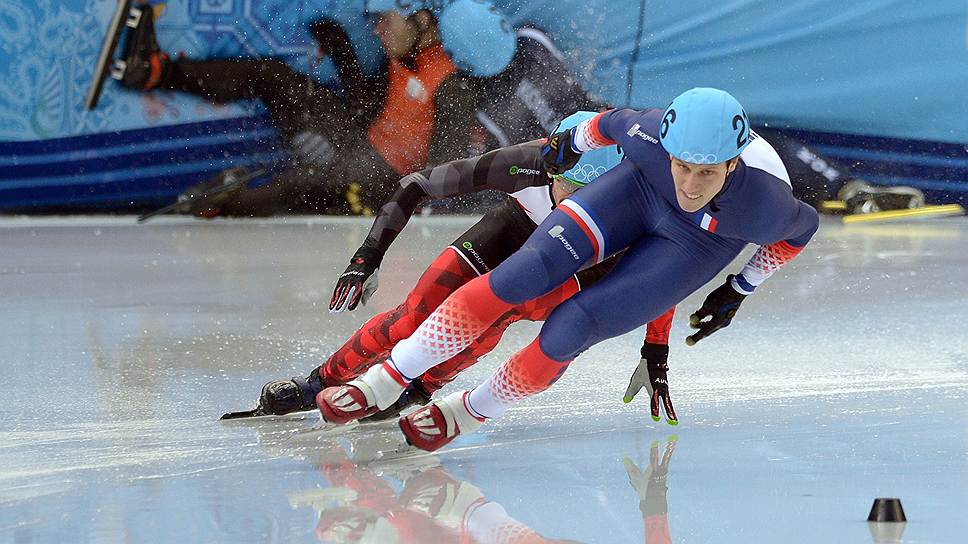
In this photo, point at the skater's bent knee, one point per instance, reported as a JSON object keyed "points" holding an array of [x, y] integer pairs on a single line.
{"points": [[569, 330]]}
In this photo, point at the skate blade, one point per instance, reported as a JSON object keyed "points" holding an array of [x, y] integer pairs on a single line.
{"points": [[897, 215], [393, 451], [323, 499], [258, 415], [323, 428], [246, 414]]}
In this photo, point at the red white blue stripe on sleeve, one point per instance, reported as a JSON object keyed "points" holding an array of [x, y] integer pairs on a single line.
{"points": [[763, 263], [588, 136], [586, 222]]}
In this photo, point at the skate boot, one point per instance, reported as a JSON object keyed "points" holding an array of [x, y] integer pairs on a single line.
{"points": [[282, 397], [375, 390], [143, 65], [437, 424], [212, 197], [440, 496], [414, 395], [862, 197], [208, 198]]}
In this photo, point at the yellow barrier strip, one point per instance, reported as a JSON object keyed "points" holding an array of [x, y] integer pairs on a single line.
{"points": [[926, 211]]}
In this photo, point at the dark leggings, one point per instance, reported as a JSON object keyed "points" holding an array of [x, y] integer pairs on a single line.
{"points": [[297, 105]]}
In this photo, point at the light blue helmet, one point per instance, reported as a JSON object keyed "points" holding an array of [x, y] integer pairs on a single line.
{"points": [[477, 37], [592, 163], [704, 126]]}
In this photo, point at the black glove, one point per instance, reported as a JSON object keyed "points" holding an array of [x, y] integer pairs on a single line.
{"points": [[651, 374], [558, 155], [720, 307], [651, 485], [358, 282]]}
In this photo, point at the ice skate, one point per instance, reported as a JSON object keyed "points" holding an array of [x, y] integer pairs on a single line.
{"points": [[143, 65], [437, 424], [414, 395], [861, 197], [281, 397], [375, 390], [206, 199]]}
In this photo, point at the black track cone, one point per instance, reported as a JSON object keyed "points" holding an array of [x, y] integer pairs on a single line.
{"points": [[887, 510]]}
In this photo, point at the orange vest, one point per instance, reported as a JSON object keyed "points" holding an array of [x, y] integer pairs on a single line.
{"points": [[402, 131]]}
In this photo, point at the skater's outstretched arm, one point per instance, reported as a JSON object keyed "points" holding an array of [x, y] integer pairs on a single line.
{"points": [[368, 93], [783, 227], [456, 99], [654, 367], [611, 127], [507, 169]]}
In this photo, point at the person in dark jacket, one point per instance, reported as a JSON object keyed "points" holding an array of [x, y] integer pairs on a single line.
{"points": [[416, 111]]}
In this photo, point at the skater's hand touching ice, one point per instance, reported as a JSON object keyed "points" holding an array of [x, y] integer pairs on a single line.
{"points": [[652, 375], [357, 282], [716, 312]]}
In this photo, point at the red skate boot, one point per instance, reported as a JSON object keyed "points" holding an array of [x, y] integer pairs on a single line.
{"points": [[375, 390], [437, 494], [435, 425]]}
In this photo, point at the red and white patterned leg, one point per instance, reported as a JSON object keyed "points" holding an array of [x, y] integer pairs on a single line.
{"points": [[450, 329], [526, 373], [488, 521], [533, 310], [372, 342]]}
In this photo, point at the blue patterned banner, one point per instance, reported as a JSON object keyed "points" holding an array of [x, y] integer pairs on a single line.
{"points": [[48, 50], [891, 70]]}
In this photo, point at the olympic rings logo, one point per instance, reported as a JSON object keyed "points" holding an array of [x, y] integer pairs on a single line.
{"points": [[699, 158], [585, 173]]}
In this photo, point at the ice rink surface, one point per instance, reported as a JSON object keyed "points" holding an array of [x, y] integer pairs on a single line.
{"points": [[844, 378]]}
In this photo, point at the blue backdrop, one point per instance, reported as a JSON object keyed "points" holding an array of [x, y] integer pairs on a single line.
{"points": [[892, 71]]}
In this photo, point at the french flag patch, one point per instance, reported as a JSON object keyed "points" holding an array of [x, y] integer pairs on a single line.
{"points": [[708, 222]]}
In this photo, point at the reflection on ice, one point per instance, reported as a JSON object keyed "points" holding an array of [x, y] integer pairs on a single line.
{"points": [[412, 497], [845, 380]]}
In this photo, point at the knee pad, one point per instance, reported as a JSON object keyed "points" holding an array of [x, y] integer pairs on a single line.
{"points": [[568, 331]]}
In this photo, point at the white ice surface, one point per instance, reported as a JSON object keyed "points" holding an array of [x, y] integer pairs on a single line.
{"points": [[844, 378]]}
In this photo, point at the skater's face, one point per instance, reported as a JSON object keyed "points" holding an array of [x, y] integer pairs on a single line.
{"points": [[697, 184], [397, 33]]}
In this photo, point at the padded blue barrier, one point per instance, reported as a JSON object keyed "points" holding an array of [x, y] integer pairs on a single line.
{"points": [[877, 84]]}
